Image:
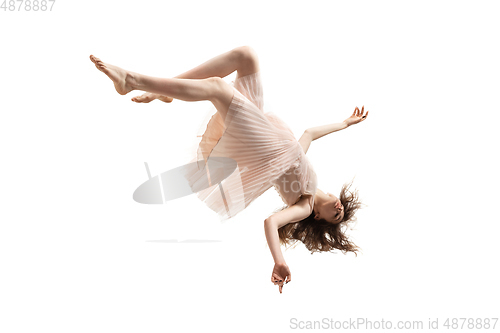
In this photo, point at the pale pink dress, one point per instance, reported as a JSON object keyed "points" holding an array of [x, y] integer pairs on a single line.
{"points": [[265, 149]]}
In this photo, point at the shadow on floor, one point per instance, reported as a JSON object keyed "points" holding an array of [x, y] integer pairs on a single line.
{"points": [[185, 241]]}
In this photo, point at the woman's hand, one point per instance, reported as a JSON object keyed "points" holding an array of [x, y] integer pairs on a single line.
{"points": [[357, 116], [280, 272]]}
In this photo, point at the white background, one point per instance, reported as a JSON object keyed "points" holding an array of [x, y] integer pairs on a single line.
{"points": [[77, 254]]}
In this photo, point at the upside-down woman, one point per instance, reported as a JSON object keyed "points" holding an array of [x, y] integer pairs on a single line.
{"points": [[265, 149]]}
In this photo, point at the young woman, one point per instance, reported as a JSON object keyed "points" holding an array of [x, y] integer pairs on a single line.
{"points": [[264, 147]]}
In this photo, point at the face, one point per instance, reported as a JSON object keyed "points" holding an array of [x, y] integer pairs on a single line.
{"points": [[332, 211]]}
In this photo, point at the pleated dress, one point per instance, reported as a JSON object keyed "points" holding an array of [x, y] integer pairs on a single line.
{"points": [[265, 150]]}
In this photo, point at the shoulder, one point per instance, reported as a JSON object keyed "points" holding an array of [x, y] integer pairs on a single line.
{"points": [[305, 141], [307, 200], [295, 213]]}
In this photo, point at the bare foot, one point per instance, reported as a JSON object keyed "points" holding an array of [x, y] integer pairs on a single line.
{"points": [[148, 97], [165, 99], [116, 74]]}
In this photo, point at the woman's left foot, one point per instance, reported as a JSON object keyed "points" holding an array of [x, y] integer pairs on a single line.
{"points": [[116, 74], [148, 97]]}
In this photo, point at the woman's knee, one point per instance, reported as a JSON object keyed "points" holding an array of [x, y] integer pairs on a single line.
{"points": [[248, 62], [220, 89], [221, 94]]}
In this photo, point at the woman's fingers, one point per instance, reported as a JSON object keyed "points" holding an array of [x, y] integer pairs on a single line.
{"points": [[276, 279], [363, 111], [359, 115]]}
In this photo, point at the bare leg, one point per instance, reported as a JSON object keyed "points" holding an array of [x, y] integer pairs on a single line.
{"points": [[242, 59], [213, 89]]}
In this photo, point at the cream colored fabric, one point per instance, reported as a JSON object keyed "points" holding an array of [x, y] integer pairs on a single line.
{"points": [[264, 147]]}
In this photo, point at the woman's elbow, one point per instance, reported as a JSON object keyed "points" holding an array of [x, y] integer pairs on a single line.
{"points": [[268, 223], [310, 133]]}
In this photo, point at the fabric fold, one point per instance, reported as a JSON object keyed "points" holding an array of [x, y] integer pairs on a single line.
{"points": [[264, 147]]}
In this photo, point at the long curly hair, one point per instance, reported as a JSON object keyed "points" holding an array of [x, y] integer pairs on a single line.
{"points": [[320, 235]]}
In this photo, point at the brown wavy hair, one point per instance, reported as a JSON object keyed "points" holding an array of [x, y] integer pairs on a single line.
{"points": [[320, 235]]}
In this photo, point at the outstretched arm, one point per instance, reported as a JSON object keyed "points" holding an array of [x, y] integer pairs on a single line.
{"points": [[314, 133], [294, 213]]}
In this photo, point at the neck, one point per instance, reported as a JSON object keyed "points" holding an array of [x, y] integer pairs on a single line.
{"points": [[319, 199]]}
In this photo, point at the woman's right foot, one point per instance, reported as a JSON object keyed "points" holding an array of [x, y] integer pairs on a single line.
{"points": [[148, 97], [116, 74]]}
